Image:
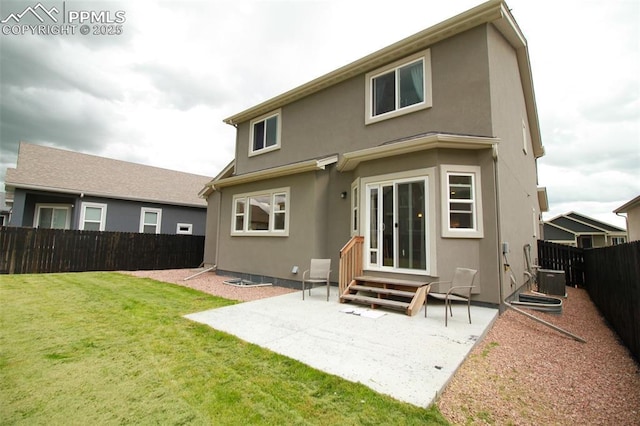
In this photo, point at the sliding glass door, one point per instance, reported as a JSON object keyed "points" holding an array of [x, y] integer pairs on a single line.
{"points": [[396, 225]]}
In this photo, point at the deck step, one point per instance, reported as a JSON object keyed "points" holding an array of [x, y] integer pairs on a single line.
{"points": [[390, 281], [385, 291], [393, 293], [368, 300]]}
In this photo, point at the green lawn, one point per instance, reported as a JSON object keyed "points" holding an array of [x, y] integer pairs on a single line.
{"points": [[106, 348]]}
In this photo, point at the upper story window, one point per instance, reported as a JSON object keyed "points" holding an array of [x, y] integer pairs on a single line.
{"points": [[150, 220], [461, 202], [265, 133], [93, 217], [261, 213], [399, 88]]}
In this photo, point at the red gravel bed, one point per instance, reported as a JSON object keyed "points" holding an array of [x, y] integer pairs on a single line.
{"points": [[525, 373]]}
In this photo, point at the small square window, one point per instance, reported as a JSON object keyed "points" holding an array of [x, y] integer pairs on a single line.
{"points": [[150, 220], [265, 134], [93, 217]]}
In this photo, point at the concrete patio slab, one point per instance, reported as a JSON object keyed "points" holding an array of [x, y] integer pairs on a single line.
{"points": [[409, 358]]}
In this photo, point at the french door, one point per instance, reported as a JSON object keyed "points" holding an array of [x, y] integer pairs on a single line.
{"points": [[396, 237]]}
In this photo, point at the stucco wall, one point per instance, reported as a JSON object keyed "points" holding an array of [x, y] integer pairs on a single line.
{"points": [[333, 120], [516, 167], [633, 223], [309, 230]]}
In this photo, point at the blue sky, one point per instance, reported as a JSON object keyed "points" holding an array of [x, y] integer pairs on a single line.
{"points": [[157, 93]]}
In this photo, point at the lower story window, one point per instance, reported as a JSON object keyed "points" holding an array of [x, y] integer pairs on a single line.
{"points": [[461, 202], [93, 216], [184, 228], [150, 220], [52, 216], [261, 213]]}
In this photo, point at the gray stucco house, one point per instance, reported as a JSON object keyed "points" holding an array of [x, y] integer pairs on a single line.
{"points": [[56, 188], [425, 151], [631, 212]]}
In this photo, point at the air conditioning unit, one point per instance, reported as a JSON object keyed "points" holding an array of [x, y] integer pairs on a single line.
{"points": [[552, 282]]}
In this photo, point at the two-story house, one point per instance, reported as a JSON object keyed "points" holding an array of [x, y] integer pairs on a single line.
{"points": [[426, 149]]}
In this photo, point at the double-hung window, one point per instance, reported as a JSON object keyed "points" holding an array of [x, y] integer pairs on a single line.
{"points": [[265, 133], [461, 203], [150, 220], [261, 213], [399, 88], [93, 217]]}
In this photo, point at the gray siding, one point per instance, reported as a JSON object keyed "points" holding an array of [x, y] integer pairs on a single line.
{"points": [[122, 216]]}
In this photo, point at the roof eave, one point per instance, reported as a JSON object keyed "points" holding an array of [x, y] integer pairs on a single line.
{"points": [[628, 205], [543, 199], [83, 194], [286, 170], [487, 12], [350, 160]]}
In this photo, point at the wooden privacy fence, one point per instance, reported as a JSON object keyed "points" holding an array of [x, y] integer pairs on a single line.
{"points": [[36, 250], [559, 257], [613, 282]]}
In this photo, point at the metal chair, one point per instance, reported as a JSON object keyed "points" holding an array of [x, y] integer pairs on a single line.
{"points": [[318, 273], [459, 291]]}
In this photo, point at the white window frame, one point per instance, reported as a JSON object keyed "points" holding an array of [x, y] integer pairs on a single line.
{"points": [[278, 114], [270, 232], [430, 226], [425, 55], [476, 203], [618, 240], [158, 225], [67, 207], [187, 231], [103, 215], [355, 208]]}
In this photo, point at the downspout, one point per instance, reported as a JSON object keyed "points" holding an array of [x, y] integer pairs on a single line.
{"points": [[219, 206], [494, 149], [626, 223]]}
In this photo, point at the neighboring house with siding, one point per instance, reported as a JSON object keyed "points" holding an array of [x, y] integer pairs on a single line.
{"points": [[56, 188], [632, 211], [5, 211], [581, 231], [426, 149]]}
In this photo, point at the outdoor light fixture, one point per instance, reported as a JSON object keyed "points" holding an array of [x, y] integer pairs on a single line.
{"points": [[343, 194]]}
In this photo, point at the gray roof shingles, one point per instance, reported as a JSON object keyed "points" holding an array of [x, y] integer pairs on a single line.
{"points": [[60, 170]]}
